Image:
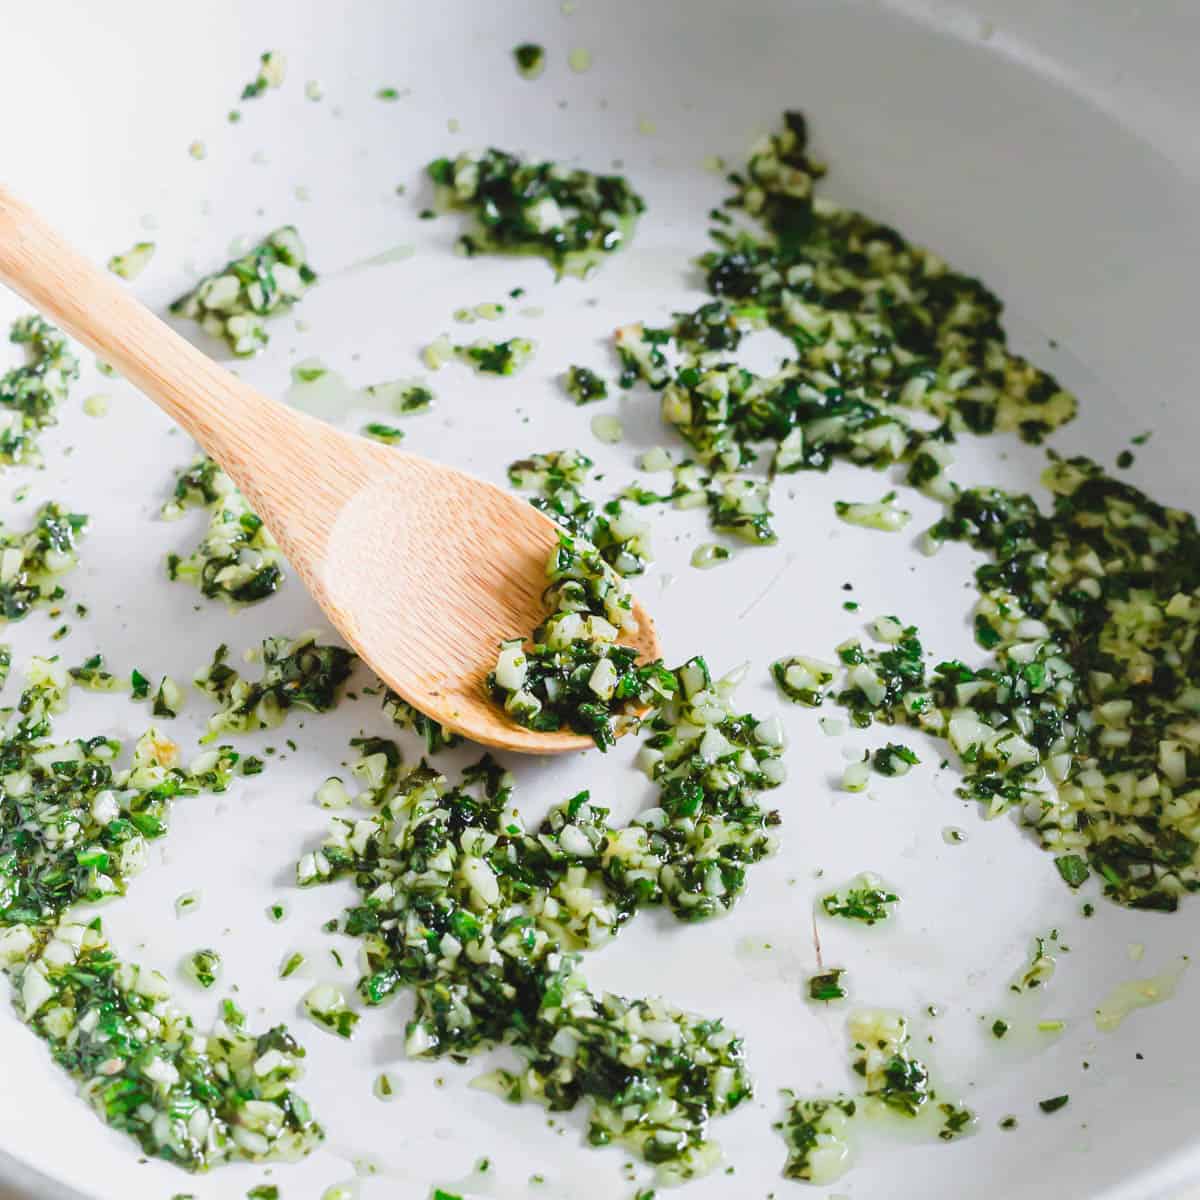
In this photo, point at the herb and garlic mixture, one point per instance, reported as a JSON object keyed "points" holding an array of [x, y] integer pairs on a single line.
{"points": [[821, 1132], [30, 393], [618, 532], [235, 302], [569, 216], [895, 352], [237, 560], [435, 735], [1085, 717], [32, 563], [132, 262], [496, 358], [296, 673], [575, 674], [76, 828], [484, 919]]}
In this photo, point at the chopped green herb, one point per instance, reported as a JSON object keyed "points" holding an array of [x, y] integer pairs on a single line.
{"points": [[496, 358], [401, 396], [868, 902], [1073, 868], [168, 700], [530, 59], [1053, 1104], [583, 385], [827, 986], [389, 435], [272, 67]]}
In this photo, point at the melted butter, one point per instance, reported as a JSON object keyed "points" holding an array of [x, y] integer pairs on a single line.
{"points": [[1138, 993]]}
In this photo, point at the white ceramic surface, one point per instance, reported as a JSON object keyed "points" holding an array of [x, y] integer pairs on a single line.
{"points": [[1050, 147]]}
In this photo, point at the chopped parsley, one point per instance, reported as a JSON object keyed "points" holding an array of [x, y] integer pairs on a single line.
{"points": [[530, 59], [496, 358], [583, 385], [389, 435], [827, 986], [868, 902], [272, 67], [1053, 1104]]}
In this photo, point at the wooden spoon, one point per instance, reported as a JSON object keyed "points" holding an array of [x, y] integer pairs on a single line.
{"points": [[423, 569]]}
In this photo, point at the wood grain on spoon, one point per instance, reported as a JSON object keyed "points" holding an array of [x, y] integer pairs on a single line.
{"points": [[422, 569]]}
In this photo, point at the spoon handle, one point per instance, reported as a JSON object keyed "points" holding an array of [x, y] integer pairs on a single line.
{"points": [[232, 421]]}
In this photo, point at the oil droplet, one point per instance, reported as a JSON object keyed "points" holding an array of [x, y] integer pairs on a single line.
{"points": [[319, 391], [953, 836], [1138, 993], [580, 60]]}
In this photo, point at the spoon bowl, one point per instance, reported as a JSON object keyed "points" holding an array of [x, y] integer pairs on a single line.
{"points": [[427, 570], [423, 569]]}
